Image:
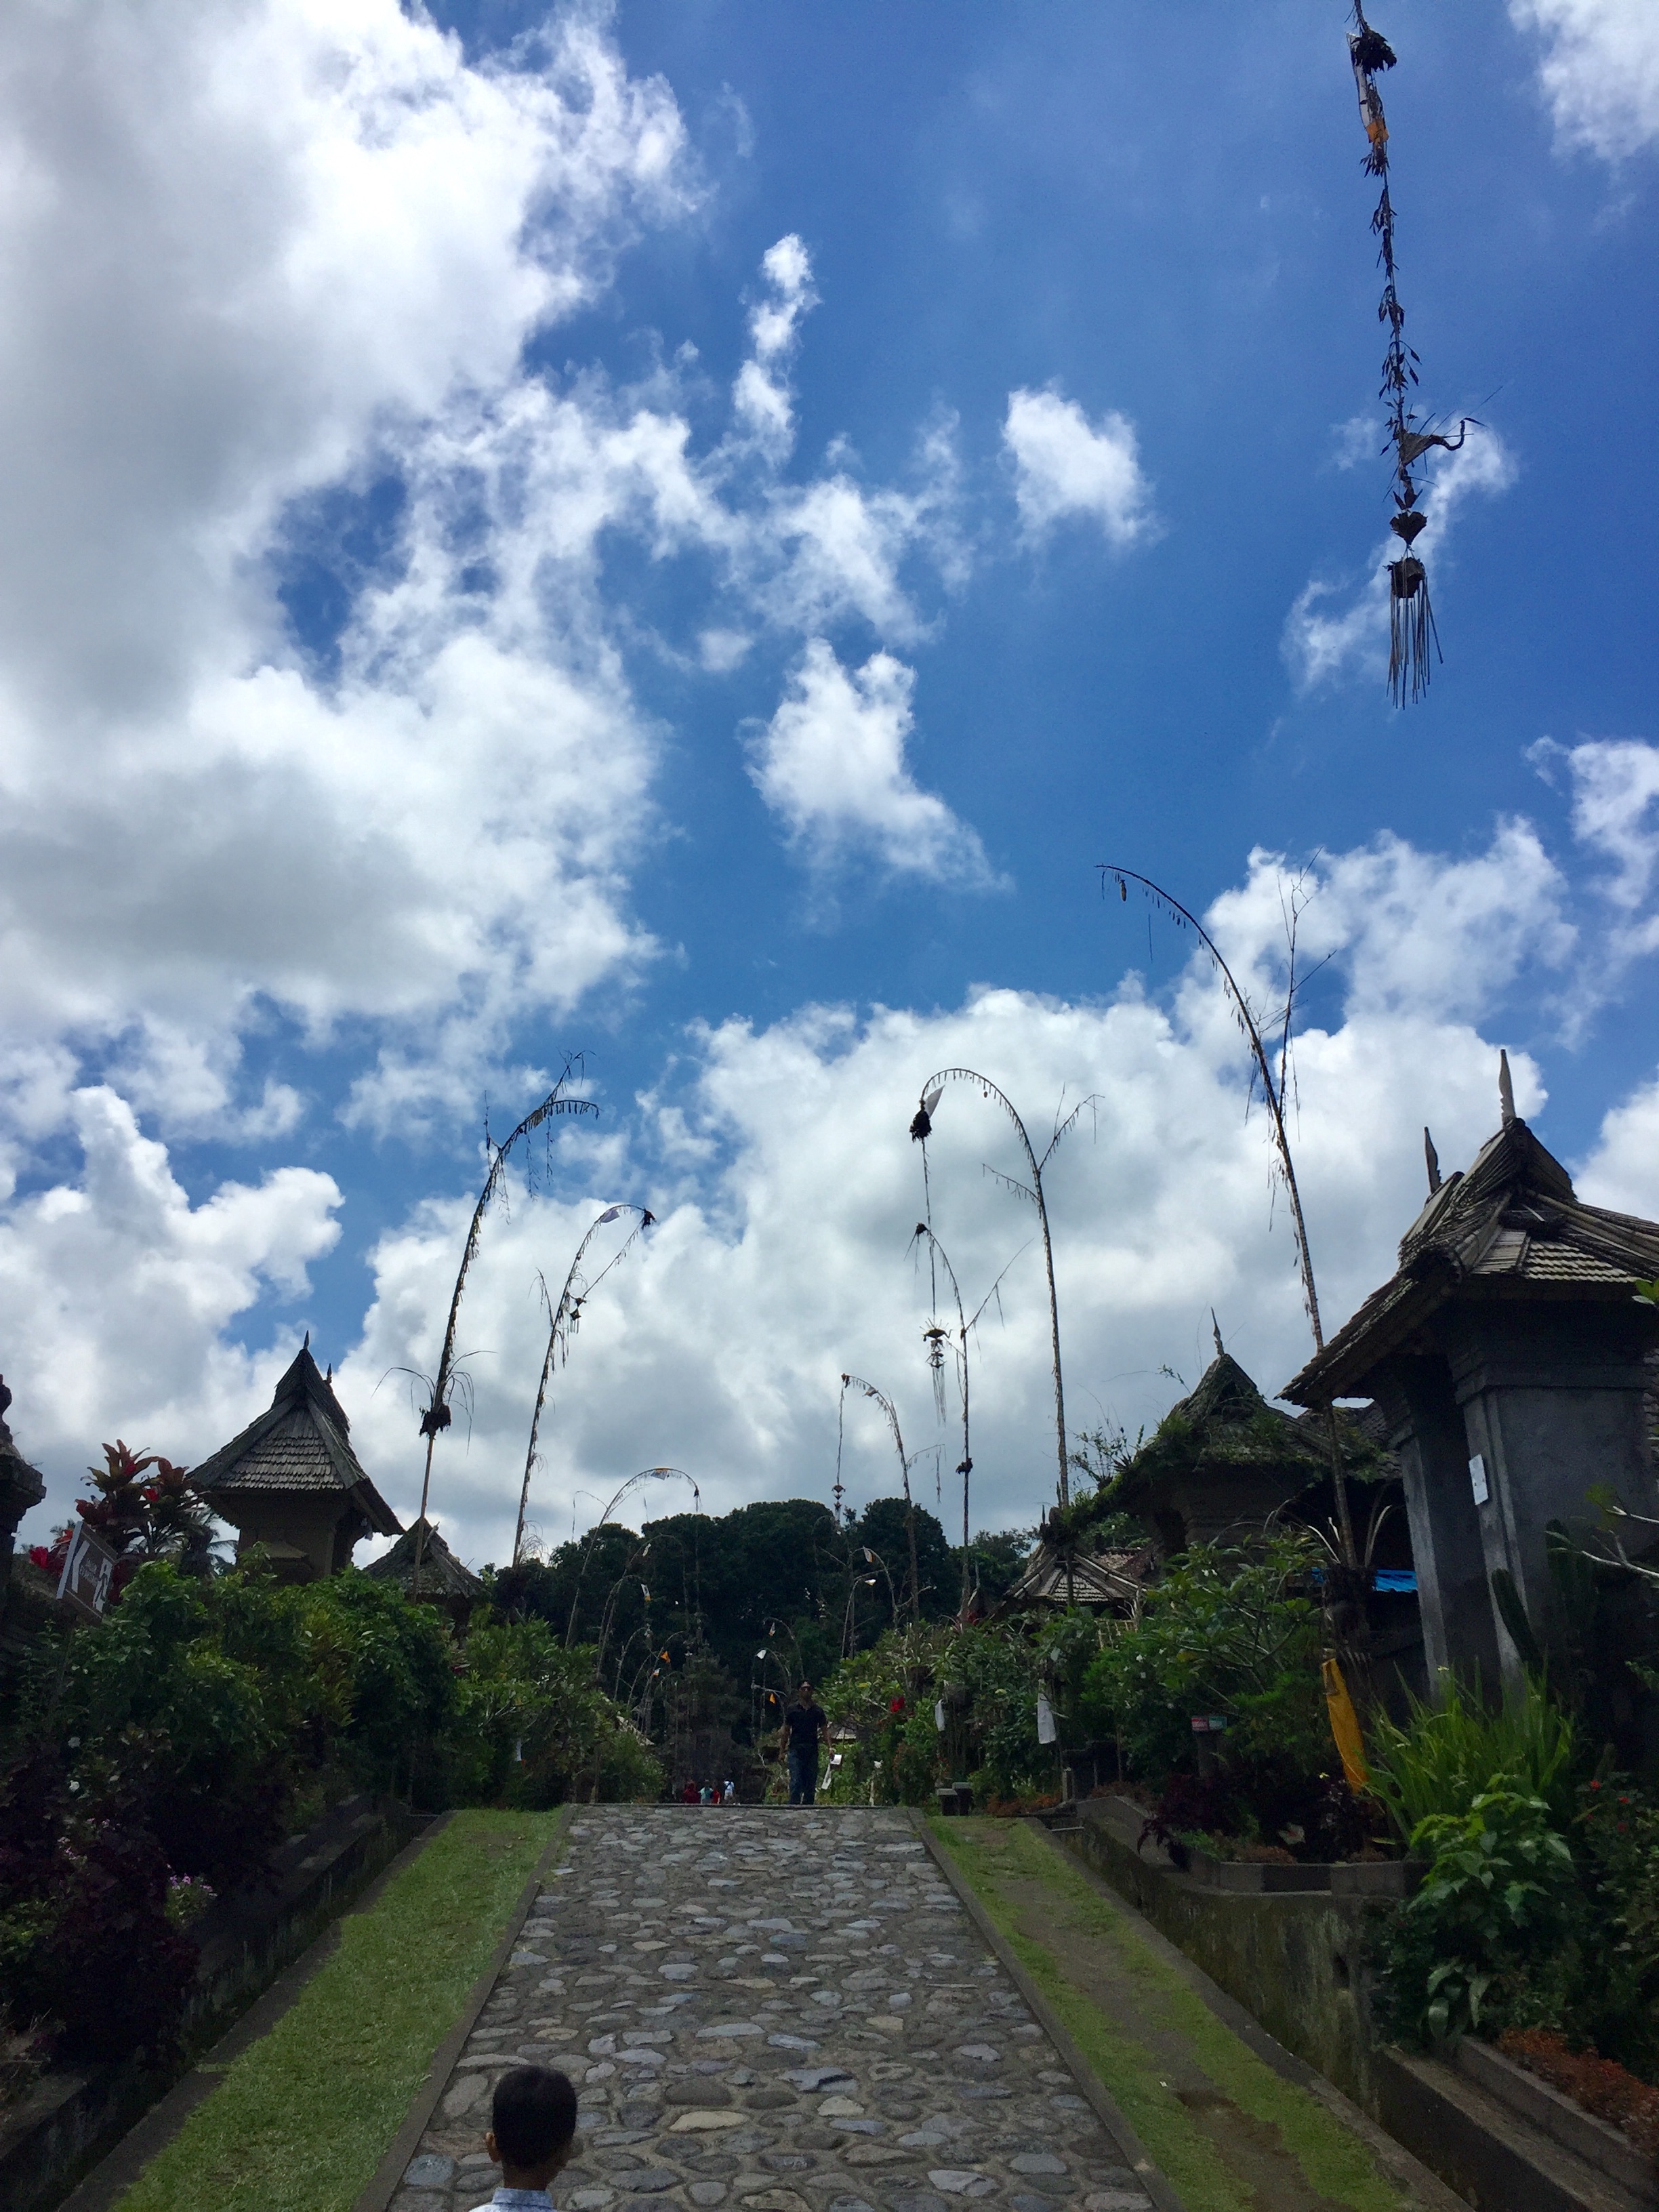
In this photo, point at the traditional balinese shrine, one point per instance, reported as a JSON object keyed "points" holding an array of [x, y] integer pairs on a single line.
{"points": [[1507, 1354], [442, 1580], [291, 1482], [1222, 1463]]}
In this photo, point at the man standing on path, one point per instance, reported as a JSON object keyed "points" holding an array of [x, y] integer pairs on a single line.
{"points": [[804, 1722]]}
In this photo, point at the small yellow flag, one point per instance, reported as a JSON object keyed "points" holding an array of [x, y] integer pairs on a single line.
{"points": [[1344, 1727]]}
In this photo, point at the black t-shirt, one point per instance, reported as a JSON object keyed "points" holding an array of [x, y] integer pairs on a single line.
{"points": [[805, 1724]]}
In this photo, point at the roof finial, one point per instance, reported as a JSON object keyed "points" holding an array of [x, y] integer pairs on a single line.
{"points": [[305, 1347], [1215, 1331], [1433, 1159], [1505, 1088]]}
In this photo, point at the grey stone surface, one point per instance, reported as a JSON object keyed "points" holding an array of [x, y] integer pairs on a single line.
{"points": [[774, 2011]]}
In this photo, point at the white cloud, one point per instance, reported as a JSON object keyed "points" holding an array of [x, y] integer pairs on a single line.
{"points": [[235, 242], [1323, 646], [720, 1346], [1622, 1170], [1419, 933], [761, 397], [1599, 71], [116, 1295], [786, 1189], [248, 256], [288, 250], [1064, 466], [831, 764], [1615, 786], [787, 1186]]}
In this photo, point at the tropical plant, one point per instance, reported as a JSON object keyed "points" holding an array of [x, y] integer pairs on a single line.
{"points": [[1496, 1901], [532, 1728], [1447, 1755], [1229, 1633]]}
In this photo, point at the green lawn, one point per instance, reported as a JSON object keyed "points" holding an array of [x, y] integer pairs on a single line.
{"points": [[306, 2114], [1263, 2142]]}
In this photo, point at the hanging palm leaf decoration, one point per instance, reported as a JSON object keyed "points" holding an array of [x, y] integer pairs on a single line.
{"points": [[1411, 631]]}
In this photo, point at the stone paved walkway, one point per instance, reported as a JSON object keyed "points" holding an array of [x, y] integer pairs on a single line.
{"points": [[777, 2011]]}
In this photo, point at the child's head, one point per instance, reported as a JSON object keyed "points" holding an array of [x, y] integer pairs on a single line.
{"points": [[533, 2125]]}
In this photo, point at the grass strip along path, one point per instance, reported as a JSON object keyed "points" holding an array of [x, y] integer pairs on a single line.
{"points": [[1231, 2133], [303, 2116]]}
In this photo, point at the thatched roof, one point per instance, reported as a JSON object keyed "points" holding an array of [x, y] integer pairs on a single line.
{"points": [[1058, 1578], [1225, 1426], [443, 1574], [299, 1444], [1511, 1228]]}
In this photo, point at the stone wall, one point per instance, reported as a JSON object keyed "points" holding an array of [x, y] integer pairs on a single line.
{"points": [[1295, 1960]]}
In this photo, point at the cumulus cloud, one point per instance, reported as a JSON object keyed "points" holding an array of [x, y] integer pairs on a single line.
{"points": [[778, 1263], [831, 764], [1065, 465], [1417, 932], [1615, 786], [778, 1162], [1622, 1170], [280, 256], [1325, 641], [1599, 71], [248, 256], [116, 1293]]}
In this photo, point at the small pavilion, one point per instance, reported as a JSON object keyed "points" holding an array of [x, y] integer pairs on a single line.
{"points": [[444, 1580], [291, 1482], [1223, 1462], [1507, 1353]]}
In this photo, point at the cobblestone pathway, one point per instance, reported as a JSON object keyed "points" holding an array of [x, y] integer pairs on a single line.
{"points": [[775, 2011]]}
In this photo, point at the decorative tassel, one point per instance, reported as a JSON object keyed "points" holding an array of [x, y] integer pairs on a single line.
{"points": [[1411, 629], [1411, 619]]}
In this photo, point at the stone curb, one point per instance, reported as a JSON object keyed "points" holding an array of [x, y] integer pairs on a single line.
{"points": [[389, 2174], [1100, 2099]]}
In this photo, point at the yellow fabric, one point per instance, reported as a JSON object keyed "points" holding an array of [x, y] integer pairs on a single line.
{"points": [[1345, 1726]]}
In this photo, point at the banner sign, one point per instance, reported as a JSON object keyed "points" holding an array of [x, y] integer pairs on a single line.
{"points": [[83, 1586]]}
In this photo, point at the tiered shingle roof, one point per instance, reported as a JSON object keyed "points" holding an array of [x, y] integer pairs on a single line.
{"points": [[443, 1574], [300, 1443], [1511, 1228]]}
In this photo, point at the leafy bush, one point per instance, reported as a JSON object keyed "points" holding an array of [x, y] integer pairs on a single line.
{"points": [[88, 1955], [1238, 1633], [531, 1729], [157, 1757], [988, 1678], [1495, 1905], [1448, 1755]]}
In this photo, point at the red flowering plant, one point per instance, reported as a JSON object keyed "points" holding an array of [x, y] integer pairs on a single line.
{"points": [[146, 1509]]}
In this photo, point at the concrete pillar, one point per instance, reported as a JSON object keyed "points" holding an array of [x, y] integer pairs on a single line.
{"points": [[1454, 1597], [1552, 1400]]}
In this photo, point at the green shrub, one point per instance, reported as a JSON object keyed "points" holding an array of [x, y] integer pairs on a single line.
{"points": [[531, 1728], [1494, 1913], [1234, 1632], [1447, 1755]]}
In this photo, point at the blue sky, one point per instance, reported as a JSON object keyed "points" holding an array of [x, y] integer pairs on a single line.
{"points": [[684, 535]]}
